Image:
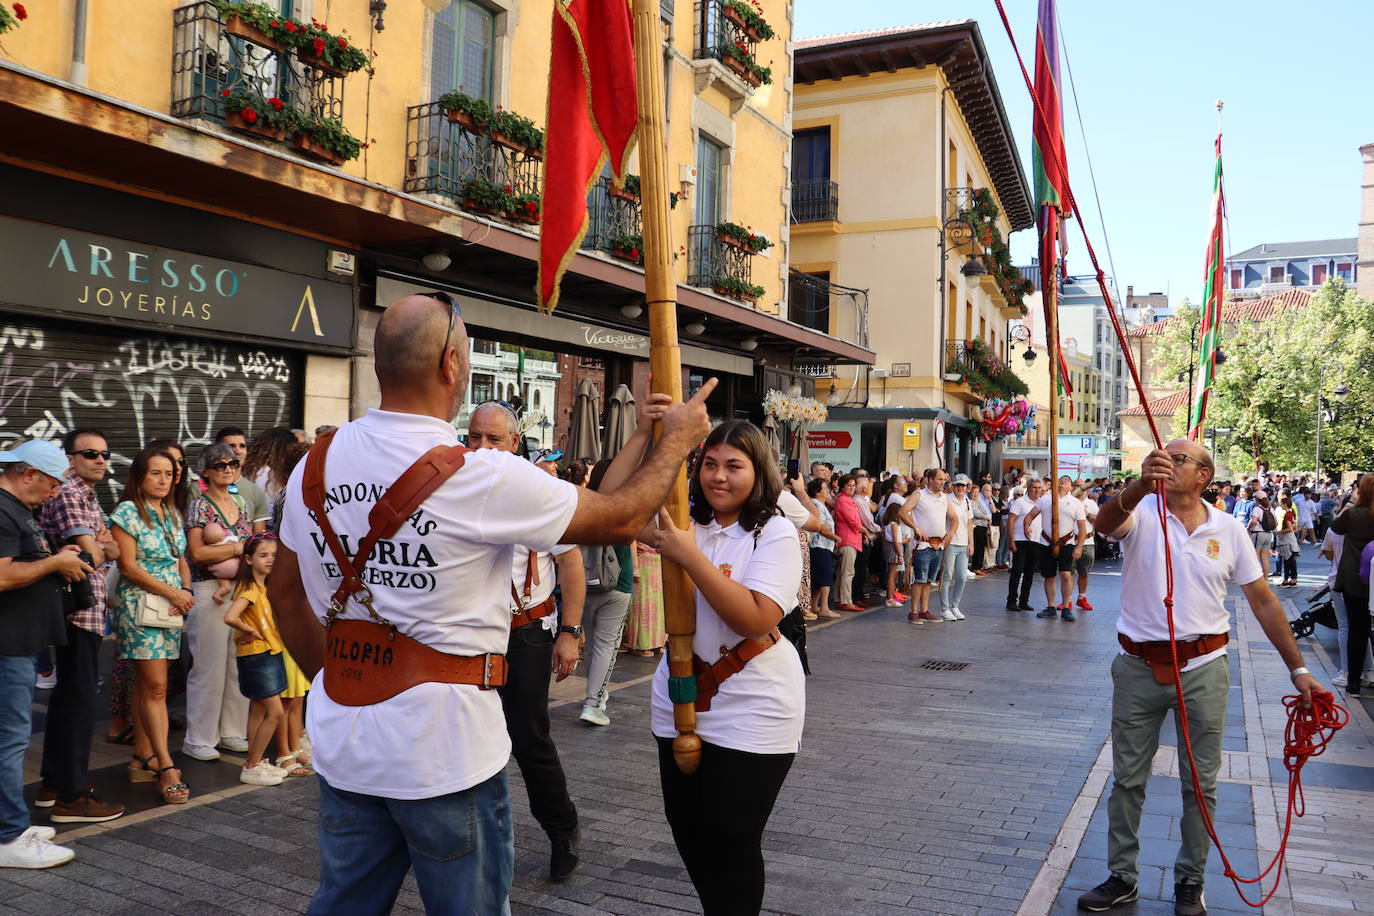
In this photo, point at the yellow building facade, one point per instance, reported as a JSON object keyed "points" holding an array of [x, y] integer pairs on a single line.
{"points": [[906, 125], [177, 168]]}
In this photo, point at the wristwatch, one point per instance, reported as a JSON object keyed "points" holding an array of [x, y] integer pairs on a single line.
{"points": [[575, 631], [1291, 675]]}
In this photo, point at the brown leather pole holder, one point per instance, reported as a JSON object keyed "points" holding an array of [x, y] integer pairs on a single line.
{"points": [[526, 616], [710, 677], [1161, 660]]}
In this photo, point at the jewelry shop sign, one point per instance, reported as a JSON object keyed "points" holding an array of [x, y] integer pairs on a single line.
{"points": [[57, 270]]}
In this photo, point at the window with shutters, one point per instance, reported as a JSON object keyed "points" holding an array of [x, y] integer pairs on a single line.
{"points": [[461, 51]]}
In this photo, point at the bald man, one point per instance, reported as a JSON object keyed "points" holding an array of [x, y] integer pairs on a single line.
{"points": [[417, 780], [1210, 549], [532, 651]]}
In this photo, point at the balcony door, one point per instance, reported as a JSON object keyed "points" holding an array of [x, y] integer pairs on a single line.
{"points": [[461, 51], [710, 170]]}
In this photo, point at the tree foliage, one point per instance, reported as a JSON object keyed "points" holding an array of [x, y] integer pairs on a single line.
{"points": [[1275, 371]]}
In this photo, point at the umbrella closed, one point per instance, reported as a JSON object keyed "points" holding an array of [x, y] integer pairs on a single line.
{"points": [[584, 440], [620, 421], [770, 433]]}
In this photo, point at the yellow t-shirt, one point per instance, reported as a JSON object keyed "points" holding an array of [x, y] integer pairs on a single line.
{"points": [[258, 614]]}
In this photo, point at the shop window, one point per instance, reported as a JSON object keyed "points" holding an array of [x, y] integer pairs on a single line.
{"points": [[483, 387], [461, 52]]}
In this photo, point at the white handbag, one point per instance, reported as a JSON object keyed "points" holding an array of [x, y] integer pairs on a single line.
{"points": [[156, 611]]}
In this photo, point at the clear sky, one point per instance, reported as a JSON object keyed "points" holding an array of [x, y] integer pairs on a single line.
{"points": [[1298, 107]]}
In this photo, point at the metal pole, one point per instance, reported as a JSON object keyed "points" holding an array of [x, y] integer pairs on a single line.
{"points": [[1321, 382]]}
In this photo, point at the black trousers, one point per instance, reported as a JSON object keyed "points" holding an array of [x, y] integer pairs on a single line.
{"points": [[860, 581], [1357, 612], [980, 544], [1025, 563], [717, 815], [525, 701], [71, 714]]}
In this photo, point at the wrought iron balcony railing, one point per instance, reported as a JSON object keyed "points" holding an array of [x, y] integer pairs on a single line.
{"points": [[208, 63], [715, 33], [815, 200], [710, 260], [444, 157], [958, 357], [613, 220]]}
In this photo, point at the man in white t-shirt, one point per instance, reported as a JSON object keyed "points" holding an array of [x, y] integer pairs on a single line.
{"points": [[1025, 547], [418, 779], [1084, 564], [1060, 550], [540, 640], [1210, 549], [928, 513]]}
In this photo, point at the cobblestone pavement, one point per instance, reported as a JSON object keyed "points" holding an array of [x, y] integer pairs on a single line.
{"points": [[972, 788]]}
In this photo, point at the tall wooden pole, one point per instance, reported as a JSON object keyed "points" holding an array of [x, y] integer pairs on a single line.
{"points": [[665, 359], [1052, 340]]}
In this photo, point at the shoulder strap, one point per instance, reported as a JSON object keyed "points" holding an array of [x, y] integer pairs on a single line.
{"points": [[399, 502]]}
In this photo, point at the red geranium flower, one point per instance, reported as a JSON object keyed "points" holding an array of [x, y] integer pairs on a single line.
{"points": [[508, 188], [318, 45], [276, 103], [248, 115], [291, 27], [343, 44], [275, 24], [20, 12], [225, 93], [531, 206], [634, 253]]}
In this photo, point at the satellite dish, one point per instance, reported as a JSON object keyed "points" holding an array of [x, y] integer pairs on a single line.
{"points": [[436, 6]]}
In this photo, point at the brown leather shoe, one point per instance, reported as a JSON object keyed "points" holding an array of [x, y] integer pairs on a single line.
{"points": [[88, 809], [45, 798]]}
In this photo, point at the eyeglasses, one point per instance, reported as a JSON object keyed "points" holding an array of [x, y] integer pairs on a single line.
{"points": [[260, 536], [90, 454], [223, 465], [453, 313], [860, 476], [1179, 460]]}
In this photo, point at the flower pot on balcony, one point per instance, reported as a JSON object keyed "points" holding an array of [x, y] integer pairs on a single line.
{"points": [[733, 242], [307, 146], [753, 33], [752, 78], [505, 141], [612, 190], [236, 26], [735, 64], [235, 121], [532, 153], [627, 254], [732, 16], [521, 216], [463, 119], [307, 57], [734, 294], [475, 207]]}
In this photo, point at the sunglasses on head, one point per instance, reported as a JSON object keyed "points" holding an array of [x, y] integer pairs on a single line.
{"points": [[453, 312], [223, 465], [256, 538], [90, 454]]}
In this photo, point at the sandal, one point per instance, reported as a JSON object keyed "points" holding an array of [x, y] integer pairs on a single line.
{"points": [[178, 793], [144, 772], [293, 767], [124, 737]]}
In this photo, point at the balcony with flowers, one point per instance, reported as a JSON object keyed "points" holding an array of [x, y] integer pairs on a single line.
{"points": [[974, 374], [1003, 282], [255, 71], [728, 33]]}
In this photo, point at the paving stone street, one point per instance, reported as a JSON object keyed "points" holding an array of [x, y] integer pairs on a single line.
{"points": [[973, 788]]}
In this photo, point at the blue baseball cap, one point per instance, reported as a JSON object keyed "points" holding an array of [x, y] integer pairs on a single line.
{"points": [[40, 454]]}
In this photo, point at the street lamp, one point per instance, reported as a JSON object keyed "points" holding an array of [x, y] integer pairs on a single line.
{"points": [[1019, 333], [973, 267]]}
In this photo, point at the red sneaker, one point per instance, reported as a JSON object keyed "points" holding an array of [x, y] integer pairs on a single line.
{"points": [[1083, 603], [899, 596]]}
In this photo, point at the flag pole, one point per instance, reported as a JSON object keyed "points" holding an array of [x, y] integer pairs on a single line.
{"points": [[665, 361], [1052, 339]]}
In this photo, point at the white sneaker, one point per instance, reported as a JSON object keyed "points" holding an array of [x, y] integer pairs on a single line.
{"points": [[948, 615], [46, 833], [261, 775], [32, 850], [46, 681], [237, 745], [200, 752], [594, 715], [958, 614]]}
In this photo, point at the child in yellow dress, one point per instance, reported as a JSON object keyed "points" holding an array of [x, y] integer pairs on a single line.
{"points": [[262, 673]]}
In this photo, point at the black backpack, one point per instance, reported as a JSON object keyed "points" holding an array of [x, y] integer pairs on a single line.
{"points": [[602, 568], [1267, 521]]}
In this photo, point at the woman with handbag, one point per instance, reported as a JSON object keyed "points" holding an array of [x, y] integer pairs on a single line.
{"points": [[154, 591], [216, 711]]}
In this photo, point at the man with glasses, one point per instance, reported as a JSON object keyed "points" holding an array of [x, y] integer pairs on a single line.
{"points": [[417, 780], [1210, 550], [74, 516]]}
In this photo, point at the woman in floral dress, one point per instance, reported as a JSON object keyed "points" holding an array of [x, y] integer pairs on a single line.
{"points": [[152, 561], [645, 630]]}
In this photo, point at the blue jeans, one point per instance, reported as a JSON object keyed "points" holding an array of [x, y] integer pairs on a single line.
{"points": [[462, 847], [1004, 549], [953, 575], [925, 566], [16, 724]]}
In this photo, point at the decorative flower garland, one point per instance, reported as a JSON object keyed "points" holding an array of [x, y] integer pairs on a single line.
{"points": [[805, 411]]}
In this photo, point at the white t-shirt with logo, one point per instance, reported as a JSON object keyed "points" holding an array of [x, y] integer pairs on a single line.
{"points": [[443, 578], [1021, 507], [931, 515], [1205, 562], [1070, 512], [760, 709]]}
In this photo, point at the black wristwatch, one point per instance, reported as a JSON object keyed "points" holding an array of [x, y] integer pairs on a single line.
{"points": [[575, 631]]}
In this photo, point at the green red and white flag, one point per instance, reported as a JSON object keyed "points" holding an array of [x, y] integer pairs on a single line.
{"points": [[1213, 289], [1051, 175]]}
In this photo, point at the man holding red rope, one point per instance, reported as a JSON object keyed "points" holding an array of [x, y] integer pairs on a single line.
{"points": [[1208, 549]]}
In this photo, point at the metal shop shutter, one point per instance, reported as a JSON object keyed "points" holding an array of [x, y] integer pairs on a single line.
{"points": [[137, 386]]}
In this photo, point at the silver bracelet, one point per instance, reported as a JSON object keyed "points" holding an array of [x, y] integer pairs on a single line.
{"points": [[1297, 671]]}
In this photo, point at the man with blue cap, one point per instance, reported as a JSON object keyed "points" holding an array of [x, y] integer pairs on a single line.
{"points": [[32, 580]]}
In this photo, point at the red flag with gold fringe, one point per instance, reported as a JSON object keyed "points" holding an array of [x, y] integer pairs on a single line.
{"points": [[592, 113]]}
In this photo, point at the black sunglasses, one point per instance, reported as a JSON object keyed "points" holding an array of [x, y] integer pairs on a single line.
{"points": [[223, 465], [453, 312], [90, 454]]}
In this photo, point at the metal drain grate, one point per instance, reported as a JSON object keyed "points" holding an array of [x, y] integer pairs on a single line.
{"points": [[933, 664]]}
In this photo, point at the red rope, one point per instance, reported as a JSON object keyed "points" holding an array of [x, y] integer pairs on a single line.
{"points": [[1309, 731]]}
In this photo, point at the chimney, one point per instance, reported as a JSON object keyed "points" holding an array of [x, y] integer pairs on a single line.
{"points": [[1364, 264], [1130, 293]]}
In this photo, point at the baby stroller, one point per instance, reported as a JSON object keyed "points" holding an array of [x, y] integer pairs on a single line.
{"points": [[1320, 610], [1105, 548]]}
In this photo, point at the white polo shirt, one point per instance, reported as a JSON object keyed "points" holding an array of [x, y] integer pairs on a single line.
{"points": [[1070, 512], [1205, 562], [1090, 510], [761, 709], [548, 578], [931, 515], [443, 578], [1021, 507]]}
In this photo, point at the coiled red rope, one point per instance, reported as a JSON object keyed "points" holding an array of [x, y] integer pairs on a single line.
{"points": [[1309, 731]]}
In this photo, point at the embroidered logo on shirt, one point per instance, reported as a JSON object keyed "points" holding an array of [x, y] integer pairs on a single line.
{"points": [[1213, 549], [725, 569]]}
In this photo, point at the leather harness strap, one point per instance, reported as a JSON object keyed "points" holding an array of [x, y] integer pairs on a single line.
{"points": [[710, 677], [1159, 657], [521, 614]]}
